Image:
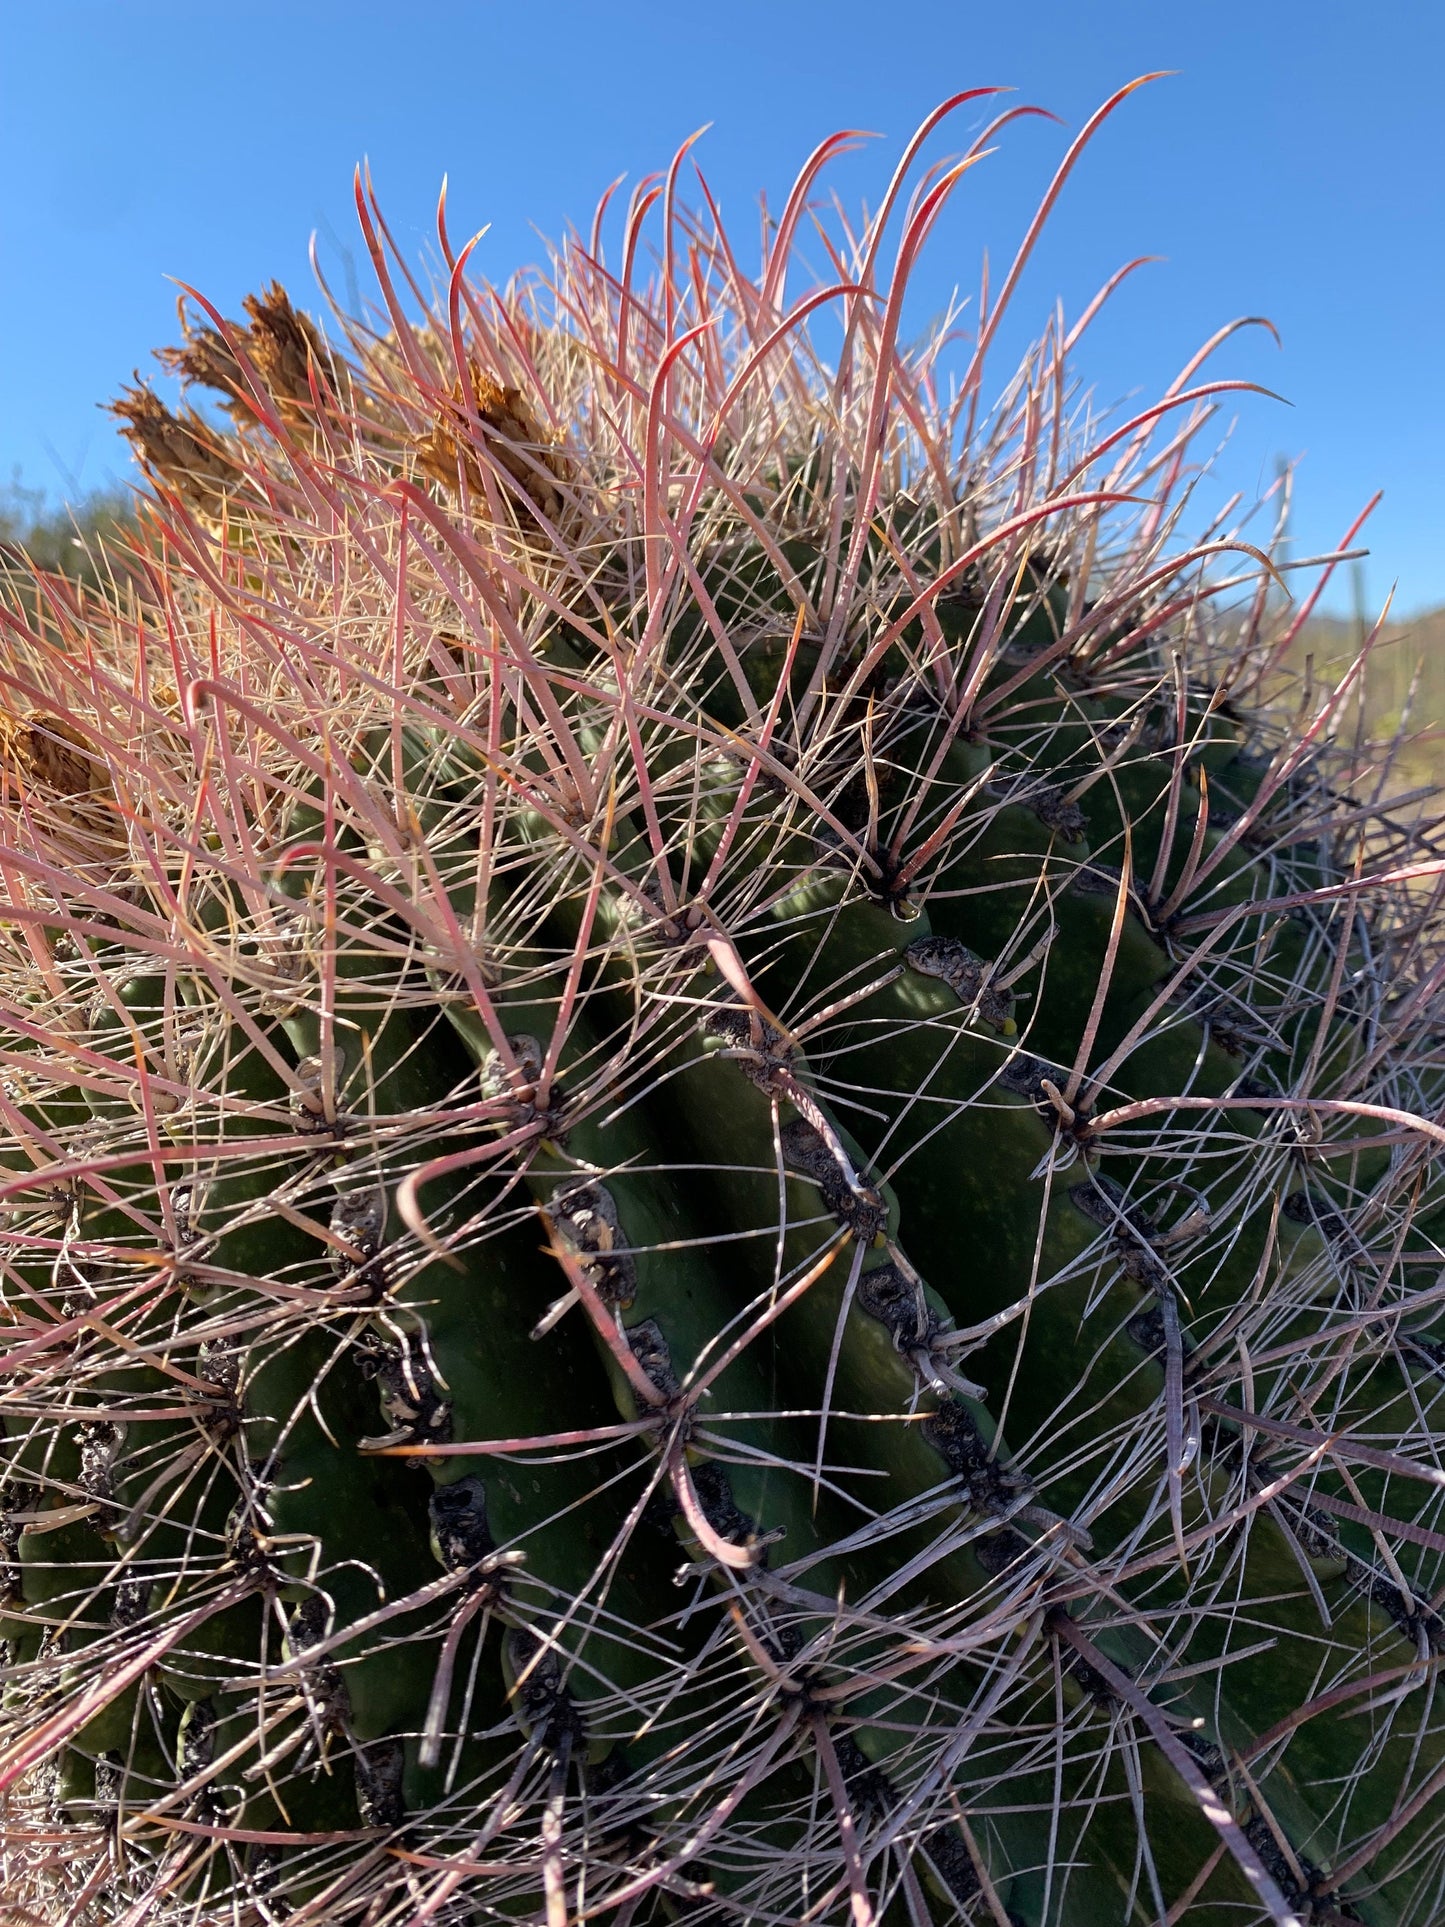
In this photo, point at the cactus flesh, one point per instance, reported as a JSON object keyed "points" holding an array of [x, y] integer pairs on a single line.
{"points": [[720, 1169]]}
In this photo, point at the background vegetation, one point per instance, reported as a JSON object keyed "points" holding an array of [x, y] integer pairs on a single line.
{"points": [[60, 537]]}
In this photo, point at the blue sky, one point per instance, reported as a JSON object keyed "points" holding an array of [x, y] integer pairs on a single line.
{"points": [[1291, 167]]}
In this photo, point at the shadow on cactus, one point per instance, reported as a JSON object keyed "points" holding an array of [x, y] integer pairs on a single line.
{"points": [[721, 1179]]}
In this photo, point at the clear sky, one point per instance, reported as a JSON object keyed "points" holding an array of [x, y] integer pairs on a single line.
{"points": [[1291, 167]]}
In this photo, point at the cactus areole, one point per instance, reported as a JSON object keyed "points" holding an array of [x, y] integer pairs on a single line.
{"points": [[720, 1168]]}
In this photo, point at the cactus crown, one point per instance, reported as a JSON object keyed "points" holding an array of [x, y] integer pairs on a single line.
{"points": [[721, 1172]]}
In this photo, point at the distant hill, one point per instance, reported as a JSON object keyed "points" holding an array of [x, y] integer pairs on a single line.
{"points": [[1404, 685]]}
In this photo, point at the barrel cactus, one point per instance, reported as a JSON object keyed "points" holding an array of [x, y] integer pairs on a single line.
{"points": [[721, 1164]]}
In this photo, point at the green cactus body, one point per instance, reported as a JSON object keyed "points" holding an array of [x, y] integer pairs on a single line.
{"points": [[722, 1174]]}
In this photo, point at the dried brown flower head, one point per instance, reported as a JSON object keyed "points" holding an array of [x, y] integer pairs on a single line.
{"points": [[181, 452], [512, 433], [283, 344], [48, 761]]}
